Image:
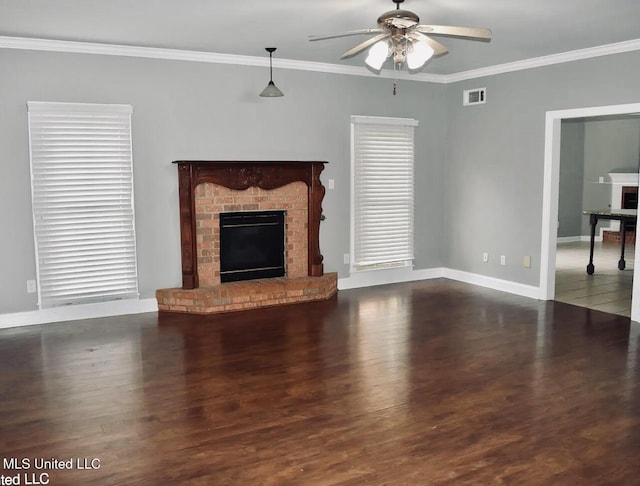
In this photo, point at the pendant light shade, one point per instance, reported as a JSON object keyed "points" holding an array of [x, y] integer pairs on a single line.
{"points": [[271, 91]]}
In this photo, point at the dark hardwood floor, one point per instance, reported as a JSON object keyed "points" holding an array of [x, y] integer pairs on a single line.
{"points": [[433, 382]]}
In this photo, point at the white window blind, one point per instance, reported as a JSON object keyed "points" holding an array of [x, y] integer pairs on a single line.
{"points": [[82, 196], [383, 191]]}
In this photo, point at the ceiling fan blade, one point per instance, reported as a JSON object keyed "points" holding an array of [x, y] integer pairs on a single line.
{"points": [[345, 34], [361, 47], [438, 49], [470, 33]]}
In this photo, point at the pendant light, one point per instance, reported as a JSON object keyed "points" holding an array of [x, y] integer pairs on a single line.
{"points": [[271, 91]]}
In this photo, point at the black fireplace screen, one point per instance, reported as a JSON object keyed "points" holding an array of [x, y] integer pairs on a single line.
{"points": [[251, 245]]}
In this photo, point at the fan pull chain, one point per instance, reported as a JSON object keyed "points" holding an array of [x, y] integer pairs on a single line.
{"points": [[395, 81]]}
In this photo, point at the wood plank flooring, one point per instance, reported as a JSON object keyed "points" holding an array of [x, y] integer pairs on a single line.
{"points": [[424, 383], [608, 289]]}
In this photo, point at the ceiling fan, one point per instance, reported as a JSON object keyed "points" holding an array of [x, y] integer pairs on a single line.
{"points": [[400, 37]]}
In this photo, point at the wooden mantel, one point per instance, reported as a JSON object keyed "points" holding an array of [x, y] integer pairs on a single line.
{"points": [[241, 175]]}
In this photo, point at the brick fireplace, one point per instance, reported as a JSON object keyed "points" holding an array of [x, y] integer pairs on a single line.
{"points": [[212, 199], [624, 195], [207, 189]]}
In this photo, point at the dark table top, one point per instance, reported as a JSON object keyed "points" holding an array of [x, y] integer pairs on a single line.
{"points": [[621, 213]]}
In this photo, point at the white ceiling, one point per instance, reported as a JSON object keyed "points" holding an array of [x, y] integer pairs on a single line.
{"points": [[522, 29]]}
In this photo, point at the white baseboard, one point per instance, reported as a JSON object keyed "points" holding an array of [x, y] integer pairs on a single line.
{"points": [[494, 283], [574, 239], [77, 312], [356, 280], [369, 279], [387, 276]]}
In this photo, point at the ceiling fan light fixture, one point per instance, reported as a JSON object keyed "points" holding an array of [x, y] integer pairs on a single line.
{"points": [[271, 91], [418, 55], [378, 54], [400, 35]]}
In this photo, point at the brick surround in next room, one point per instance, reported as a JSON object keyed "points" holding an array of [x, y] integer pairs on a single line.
{"points": [[212, 199]]}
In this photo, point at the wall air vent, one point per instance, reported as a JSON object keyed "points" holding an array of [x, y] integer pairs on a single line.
{"points": [[476, 96]]}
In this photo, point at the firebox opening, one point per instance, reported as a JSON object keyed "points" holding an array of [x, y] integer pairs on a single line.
{"points": [[252, 245]]}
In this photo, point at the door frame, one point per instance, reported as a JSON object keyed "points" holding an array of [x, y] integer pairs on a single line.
{"points": [[550, 194]]}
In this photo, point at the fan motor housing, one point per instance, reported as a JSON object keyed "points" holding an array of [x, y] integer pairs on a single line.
{"points": [[399, 19]]}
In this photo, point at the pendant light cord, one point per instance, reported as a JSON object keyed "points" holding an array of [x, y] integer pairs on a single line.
{"points": [[271, 66]]}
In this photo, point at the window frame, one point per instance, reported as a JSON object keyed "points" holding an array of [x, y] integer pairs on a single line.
{"points": [[42, 153], [406, 263]]}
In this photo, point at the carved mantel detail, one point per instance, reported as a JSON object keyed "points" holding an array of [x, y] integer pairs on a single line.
{"points": [[240, 175]]}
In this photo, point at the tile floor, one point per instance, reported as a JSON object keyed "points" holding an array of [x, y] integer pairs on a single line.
{"points": [[607, 290]]}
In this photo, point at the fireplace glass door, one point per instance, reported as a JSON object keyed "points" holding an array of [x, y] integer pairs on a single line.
{"points": [[252, 245]]}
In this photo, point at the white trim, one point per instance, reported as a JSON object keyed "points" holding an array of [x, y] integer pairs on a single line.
{"points": [[384, 120], [206, 57], [77, 312], [403, 132], [569, 239], [370, 279], [355, 281], [551, 183], [382, 277], [47, 106], [575, 239], [63, 270], [493, 283], [355, 71], [352, 203], [218, 58], [534, 62], [624, 179]]}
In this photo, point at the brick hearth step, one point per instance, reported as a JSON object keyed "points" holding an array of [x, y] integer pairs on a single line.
{"points": [[249, 294]]}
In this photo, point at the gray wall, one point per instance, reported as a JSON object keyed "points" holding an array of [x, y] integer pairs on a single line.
{"points": [[495, 157], [186, 110], [571, 178], [479, 168]]}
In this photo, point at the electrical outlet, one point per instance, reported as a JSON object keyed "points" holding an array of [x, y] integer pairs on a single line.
{"points": [[526, 261], [31, 287], [346, 258], [485, 257], [503, 260], [332, 183]]}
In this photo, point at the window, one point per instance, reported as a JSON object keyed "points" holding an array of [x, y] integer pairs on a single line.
{"points": [[82, 197], [382, 192]]}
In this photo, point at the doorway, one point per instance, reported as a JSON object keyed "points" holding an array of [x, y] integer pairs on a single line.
{"points": [[551, 195], [598, 170]]}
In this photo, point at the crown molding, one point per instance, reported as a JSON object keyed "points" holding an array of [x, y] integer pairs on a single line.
{"points": [[356, 71], [127, 51], [201, 56], [218, 58], [534, 62]]}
